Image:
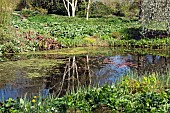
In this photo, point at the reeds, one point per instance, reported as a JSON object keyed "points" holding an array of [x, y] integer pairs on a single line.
{"points": [[6, 9]]}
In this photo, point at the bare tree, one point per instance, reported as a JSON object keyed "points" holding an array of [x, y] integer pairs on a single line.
{"points": [[88, 10], [67, 6], [73, 4]]}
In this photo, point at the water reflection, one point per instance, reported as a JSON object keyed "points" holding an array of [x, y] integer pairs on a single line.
{"points": [[77, 71], [21, 88], [114, 68]]}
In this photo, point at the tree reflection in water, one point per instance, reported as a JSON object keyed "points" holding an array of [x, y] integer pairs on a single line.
{"points": [[100, 70], [80, 71]]}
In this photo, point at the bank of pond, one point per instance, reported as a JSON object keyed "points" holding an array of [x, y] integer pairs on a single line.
{"points": [[46, 32]]}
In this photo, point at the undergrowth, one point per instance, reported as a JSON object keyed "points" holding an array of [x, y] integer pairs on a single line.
{"points": [[44, 32]]}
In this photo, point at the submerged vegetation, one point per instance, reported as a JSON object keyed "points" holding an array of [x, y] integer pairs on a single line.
{"points": [[144, 94]]}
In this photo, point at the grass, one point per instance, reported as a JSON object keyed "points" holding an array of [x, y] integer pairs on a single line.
{"points": [[6, 9], [147, 94]]}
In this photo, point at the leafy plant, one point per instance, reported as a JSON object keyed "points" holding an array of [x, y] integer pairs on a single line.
{"points": [[145, 94]]}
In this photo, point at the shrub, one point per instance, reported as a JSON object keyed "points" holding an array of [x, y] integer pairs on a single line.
{"points": [[126, 8], [98, 9], [10, 47], [45, 6], [28, 12], [41, 10]]}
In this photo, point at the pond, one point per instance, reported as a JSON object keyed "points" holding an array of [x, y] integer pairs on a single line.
{"points": [[63, 70]]}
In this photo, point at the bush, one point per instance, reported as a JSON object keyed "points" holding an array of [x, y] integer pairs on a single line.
{"points": [[10, 47], [28, 12], [98, 9], [41, 10], [47, 6], [125, 8], [57, 8], [81, 9]]}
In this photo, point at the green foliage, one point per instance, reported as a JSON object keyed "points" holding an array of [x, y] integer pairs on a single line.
{"points": [[57, 8], [46, 6], [129, 95], [6, 9], [81, 9], [74, 32], [9, 106], [98, 9], [126, 8], [36, 11], [63, 27], [9, 47]]}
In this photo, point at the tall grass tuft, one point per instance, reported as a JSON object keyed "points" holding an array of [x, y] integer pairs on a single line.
{"points": [[6, 9]]}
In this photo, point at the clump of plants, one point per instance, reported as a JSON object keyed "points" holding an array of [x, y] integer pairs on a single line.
{"points": [[6, 9], [116, 35], [129, 9], [99, 9], [146, 94]]}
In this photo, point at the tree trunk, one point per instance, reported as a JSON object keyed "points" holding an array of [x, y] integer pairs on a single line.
{"points": [[73, 6], [73, 11], [88, 9], [67, 6]]}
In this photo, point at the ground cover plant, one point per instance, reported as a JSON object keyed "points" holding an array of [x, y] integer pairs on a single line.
{"points": [[32, 31], [147, 94]]}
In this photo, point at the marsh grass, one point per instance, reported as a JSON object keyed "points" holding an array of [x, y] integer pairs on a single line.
{"points": [[6, 9]]}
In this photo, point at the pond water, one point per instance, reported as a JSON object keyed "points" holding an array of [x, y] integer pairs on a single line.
{"points": [[63, 70]]}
